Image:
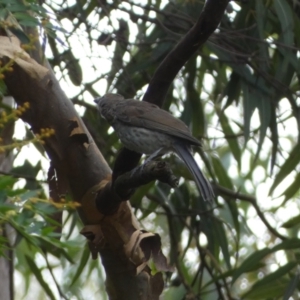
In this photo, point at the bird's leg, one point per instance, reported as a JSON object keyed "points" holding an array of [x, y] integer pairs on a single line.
{"points": [[154, 155]]}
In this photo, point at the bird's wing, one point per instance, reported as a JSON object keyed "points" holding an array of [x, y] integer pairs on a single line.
{"points": [[147, 115]]}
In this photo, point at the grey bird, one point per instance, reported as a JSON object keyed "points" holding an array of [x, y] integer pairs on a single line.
{"points": [[145, 128]]}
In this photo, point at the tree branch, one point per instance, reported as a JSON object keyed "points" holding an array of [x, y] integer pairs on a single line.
{"points": [[206, 24]]}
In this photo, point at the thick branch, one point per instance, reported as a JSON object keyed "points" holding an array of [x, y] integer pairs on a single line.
{"points": [[109, 198], [144, 174], [207, 23]]}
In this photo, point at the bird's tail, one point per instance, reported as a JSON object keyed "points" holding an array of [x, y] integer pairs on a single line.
{"points": [[202, 183]]}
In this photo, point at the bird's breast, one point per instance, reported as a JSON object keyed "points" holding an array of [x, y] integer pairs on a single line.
{"points": [[142, 140]]}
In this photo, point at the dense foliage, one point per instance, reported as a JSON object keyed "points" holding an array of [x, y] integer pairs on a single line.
{"points": [[238, 93]]}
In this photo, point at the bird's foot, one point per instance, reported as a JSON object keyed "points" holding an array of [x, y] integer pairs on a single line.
{"points": [[140, 168]]}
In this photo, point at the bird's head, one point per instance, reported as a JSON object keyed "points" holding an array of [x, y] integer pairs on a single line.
{"points": [[106, 103]]}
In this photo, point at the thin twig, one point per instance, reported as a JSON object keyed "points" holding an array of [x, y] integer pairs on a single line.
{"points": [[62, 295]]}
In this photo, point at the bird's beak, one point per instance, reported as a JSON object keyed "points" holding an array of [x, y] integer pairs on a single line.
{"points": [[97, 100]]}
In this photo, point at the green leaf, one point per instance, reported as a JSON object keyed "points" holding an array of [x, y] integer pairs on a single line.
{"points": [[261, 19], [17, 7], [27, 194], [7, 182], [220, 235], [221, 173], [288, 166], [193, 109], [23, 233], [233, 208], [291, 287], [269, 290], [285, 16], [274, 137], [25, 19], [3, 14], [287, 245], [264, 108], [230, 137], [276, 276], [291, 222], [291, 57], [253, 260], [83, 261], [17, 192], [292, 189], [249, 107], [6, 207], [53, 246], [233, 89], [19, 33], [38, 274], [9, 2], [251, 263]]}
